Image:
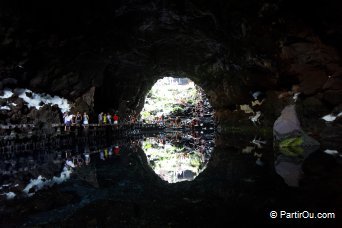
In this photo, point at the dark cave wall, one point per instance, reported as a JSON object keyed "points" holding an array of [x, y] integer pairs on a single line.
{"points": [[106, 56]]}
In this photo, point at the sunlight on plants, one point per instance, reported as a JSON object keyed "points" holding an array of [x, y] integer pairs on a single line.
{"points": [[169, 96]]}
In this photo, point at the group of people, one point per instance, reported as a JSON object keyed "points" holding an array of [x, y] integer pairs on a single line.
{"points": [[78, 119], [71, 119], [107, 118]]}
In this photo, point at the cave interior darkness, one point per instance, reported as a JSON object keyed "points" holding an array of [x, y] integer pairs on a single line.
{"points": [[106, 56], [120, 49]]}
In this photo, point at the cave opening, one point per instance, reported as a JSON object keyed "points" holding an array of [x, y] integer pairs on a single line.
{"points": [[182, 150]]}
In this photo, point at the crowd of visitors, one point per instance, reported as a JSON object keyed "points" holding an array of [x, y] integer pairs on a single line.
{"points": [[78, 119]]}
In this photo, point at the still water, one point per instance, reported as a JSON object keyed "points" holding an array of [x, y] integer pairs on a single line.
{"points": [[178, 157], [174, 157], [50, 184]]}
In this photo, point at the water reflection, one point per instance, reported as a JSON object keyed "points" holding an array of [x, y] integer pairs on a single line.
{"points": [[288, 163], [23, 173], [174, 156], [42, 182], [256, 148], [26, 172], [178, 156]]}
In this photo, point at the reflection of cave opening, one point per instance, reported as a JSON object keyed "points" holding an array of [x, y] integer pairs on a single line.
{"points": [[183, 149]]}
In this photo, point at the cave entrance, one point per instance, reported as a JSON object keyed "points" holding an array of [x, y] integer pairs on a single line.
{"points": [[183, 149]]}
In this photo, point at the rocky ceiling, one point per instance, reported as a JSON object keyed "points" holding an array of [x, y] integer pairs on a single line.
{"points": [[108, 54]]}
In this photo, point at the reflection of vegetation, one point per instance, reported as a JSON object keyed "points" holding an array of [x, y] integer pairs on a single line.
{"points": [[293, 151], [195, 160], [291, 142], [169, 160]]}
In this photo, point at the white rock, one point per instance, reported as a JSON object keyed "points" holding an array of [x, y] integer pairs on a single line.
{"points": [[295, 96], [331, 117], [331, 152], [36, 99], [5, 108], [258, 142], [10, 195], [7, 94], [255, 118], [70, 163]]}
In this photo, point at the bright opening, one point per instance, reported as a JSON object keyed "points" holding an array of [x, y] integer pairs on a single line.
{"points": [[170, 97], [183, 149]]}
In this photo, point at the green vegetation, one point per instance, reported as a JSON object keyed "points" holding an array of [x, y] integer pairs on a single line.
{"points": [[167, 98]]}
